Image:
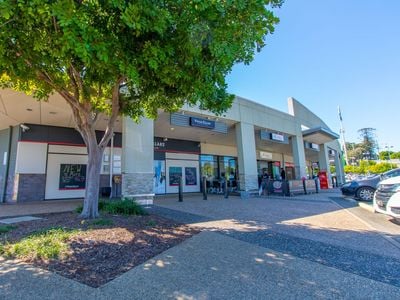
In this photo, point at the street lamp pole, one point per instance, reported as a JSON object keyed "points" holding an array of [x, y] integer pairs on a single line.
{"points": [[390, 159]]}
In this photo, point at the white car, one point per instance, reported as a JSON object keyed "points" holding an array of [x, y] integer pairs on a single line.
{"points": [[387, 197]]}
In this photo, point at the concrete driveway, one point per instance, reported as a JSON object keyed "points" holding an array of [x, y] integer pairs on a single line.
{"points": [[309, 247]]}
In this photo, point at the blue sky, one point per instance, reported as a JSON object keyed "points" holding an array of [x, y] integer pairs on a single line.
{"points": [[329, 53]]}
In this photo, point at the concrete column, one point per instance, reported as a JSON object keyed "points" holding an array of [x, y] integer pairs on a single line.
{"points": [[299, 157], [323, 159], [247, 158], [339, 168], [138, 160]]}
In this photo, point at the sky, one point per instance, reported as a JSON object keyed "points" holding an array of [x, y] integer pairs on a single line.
{"points": [[327, 54]]}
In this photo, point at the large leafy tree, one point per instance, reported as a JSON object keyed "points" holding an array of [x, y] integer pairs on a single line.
{"points": [[121, 57]]}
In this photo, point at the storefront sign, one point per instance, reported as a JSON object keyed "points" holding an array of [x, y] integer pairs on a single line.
{"points": [[190, 176], [315, 146], [289, 164], [310, 185], [203, 123], [296, 187], [175, 174], [265, 155], [277, 137], [277, 187], [159, 145], [173, 145], [72, 177]]}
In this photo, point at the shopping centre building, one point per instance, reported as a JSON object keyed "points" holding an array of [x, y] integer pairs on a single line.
{"points": [[44, 158]]}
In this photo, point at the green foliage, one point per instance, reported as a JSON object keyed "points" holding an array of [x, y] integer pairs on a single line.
{"points": [[167, 52], [128, 57], [6, 228], [395, 155], [386, 155], [332, 169], [125, 206], [151, 223], [101, 205], [47, 244], [366, 167], [102, 222]]}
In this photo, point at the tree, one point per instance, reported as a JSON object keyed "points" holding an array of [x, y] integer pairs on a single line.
{"points": [[127, 58], [368, 144]]}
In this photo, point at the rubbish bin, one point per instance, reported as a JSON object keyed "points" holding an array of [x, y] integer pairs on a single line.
{"points": [[105, 191]]}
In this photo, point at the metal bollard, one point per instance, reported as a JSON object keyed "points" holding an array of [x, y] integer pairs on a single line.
{"points": [[180, 190], [204, 188], [304, 186], [226, 191]]}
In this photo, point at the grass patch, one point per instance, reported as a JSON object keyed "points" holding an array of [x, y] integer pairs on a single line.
{"points": [[102, 222], [151, 223], [124, 206], [6, 228], [45, 244]]}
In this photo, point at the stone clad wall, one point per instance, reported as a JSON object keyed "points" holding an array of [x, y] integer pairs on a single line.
{"points": [[138, 186]]}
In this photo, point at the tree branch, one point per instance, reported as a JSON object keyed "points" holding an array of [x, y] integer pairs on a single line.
{"points": [[77, 79], [74, 83], [115, 109]]}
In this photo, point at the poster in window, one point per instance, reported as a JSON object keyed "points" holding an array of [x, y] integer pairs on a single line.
{"points": [[175, 174], [190, 176], [159, 177], [72, 177]]}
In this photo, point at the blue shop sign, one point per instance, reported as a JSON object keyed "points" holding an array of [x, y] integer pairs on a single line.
{"points": [[203, 123]]}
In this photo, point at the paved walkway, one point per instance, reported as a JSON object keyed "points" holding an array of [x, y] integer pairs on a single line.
{"points": [[303, 248], [35, 208]]}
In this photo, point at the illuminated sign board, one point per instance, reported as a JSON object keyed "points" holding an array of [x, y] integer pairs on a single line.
{"points": [[203, 123], [277, 137]]}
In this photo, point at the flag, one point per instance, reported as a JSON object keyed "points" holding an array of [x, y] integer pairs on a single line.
{"points": [[340, 114]]}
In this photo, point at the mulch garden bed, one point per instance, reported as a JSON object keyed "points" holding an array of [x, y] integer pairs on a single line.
{"points": [[101, 253]]}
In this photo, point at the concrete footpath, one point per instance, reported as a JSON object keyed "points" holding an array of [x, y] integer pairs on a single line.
{"points": [[308, 247]]}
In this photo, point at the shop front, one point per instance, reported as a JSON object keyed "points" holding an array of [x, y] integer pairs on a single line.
{"points": [[216, 169], [175, 160]]}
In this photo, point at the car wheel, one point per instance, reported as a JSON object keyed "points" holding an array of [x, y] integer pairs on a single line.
{"points": [[365, 193]]}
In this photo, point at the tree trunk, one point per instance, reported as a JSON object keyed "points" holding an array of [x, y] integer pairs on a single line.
{"points": [[91, 202]]}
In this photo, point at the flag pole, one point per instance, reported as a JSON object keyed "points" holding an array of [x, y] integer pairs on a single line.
{"points": [[343, 139]]}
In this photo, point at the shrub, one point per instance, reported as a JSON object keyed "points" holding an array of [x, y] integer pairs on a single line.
{"points": [[6, 228], [151, 223], [101, 205], [45, 244], [125, 206]]}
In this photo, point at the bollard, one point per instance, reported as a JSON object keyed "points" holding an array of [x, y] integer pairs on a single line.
{"points": [[180, 189], [226, 191], [204, 188]]}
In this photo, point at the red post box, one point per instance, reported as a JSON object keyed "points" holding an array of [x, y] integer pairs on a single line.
{"points": [[323, 179]]}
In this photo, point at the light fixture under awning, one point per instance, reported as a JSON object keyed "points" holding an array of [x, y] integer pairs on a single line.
{"points": [[319, 135]]}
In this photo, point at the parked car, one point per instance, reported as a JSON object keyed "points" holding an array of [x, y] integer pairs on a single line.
{"points": [[364, 189], [387, 197]]}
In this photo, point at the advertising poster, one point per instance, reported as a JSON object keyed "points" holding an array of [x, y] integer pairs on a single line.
{"points": [[190, 176], [159, 177], [175, 174], [72, 177]]}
